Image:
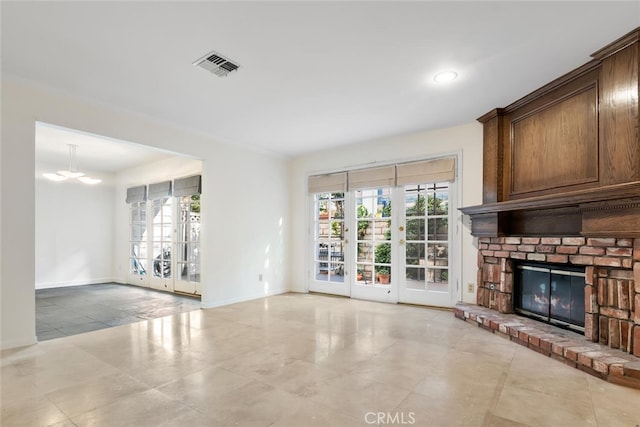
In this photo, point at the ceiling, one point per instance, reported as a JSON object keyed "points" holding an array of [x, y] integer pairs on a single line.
{"points": [[313, 75], [93, 153]]}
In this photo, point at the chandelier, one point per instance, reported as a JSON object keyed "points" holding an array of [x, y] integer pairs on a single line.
{"points": [[72, 172]]}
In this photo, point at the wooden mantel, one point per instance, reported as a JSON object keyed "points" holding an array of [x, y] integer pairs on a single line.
{"points": [[565, 159]]}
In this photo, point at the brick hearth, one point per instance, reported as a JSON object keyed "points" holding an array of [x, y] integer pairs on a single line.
{"points": [[612, 277], [569, 347]]}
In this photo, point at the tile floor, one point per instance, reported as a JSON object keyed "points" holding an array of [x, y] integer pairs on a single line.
{"points": [[301, 360], [74, 310]]}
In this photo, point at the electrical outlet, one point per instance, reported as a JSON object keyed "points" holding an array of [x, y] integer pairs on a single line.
{"points": [[260, 277], [470, 287]]}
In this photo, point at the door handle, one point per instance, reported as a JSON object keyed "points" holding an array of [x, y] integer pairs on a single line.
{"points": [[402, 242]]}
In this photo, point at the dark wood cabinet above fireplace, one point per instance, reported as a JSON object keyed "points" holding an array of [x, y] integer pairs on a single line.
{"points": [[565, 159]]}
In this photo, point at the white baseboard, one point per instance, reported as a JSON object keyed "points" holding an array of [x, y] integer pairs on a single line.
{"points": [[49, 285], [6, 345], [221, 303]]}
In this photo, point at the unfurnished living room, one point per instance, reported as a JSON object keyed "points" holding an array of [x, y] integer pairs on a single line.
{"points": [[320, 213]]}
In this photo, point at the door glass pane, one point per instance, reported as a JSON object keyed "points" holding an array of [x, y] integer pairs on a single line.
{"points": [[415, 277], [188, 238], [137, 239], [373, 248], [162, 237], [437, 254], [415, 254], [194, 253], [329, 237], [427, 236], [438, 279], [415, 229], [194, 272], [136, 265], [183, 273], [135, 215], [438, 229]]}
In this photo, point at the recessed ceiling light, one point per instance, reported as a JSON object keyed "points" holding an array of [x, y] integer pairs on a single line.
{"points": [[445, 76]]}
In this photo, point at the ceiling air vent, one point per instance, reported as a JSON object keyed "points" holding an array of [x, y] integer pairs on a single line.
{"points": [[217, 64]]}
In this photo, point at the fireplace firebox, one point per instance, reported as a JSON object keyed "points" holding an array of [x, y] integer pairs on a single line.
{"points": [[551, 293]]}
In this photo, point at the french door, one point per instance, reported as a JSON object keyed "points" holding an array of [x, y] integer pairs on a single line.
{"points": [[138, 259], [330, 242], [161, 276], [389, 244], [375, 270], [187, 258], [424, 245], [164, 242]]}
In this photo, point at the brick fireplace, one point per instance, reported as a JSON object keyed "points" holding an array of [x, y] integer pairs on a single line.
{"points": [[612, 293], [561, 187]]}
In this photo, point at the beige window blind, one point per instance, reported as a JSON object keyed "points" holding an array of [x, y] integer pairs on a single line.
{"points": [[328, 183], [435, 170], [384, 176]]}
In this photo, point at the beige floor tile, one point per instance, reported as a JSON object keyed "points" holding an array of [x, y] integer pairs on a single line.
{"points": [[313, 414], [445, 411], [491, 345], [29, 411], [532, 371], [254, 404], [59, 369], [540, 409], [614, 405], [355, 396], [300, 377], [94, 393], [403, 375], [191, 418], [503, 422], [147, 408], [200, 388], [301, 360]]}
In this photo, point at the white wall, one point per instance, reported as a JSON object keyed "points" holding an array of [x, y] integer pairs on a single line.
{"points": [[74, 233], [245, 202], [465, 139]]}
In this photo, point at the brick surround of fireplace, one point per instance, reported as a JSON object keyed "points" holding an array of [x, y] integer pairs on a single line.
{"points": [[612, 280]]}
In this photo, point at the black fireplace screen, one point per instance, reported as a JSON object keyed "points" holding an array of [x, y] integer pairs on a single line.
{"points": [[551, 294]]}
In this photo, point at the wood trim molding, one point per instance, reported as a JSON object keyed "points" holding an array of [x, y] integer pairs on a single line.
{"points": [[617, 45], [555, 84]]}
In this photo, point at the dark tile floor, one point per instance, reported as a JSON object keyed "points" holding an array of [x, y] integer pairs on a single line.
{"points": [[77, 309]]}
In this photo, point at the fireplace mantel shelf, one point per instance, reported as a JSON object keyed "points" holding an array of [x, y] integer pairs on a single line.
{"points": [[607, 211], [613, 195]]}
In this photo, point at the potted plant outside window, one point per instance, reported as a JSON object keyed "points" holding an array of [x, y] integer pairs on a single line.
{"points": [[384, 277]]}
